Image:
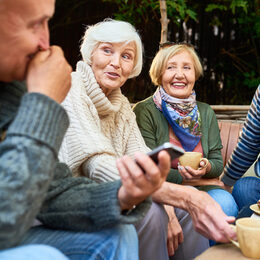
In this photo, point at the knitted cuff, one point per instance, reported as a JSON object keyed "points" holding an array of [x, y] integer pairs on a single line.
{"points": [[101, 168], [107, 208], [212, 172], [111, 208], [40, 118]]}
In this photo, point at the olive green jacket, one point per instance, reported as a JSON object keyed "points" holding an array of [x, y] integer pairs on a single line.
{"points": [[154, 128]]}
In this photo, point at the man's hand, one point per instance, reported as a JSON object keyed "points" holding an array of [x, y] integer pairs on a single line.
{"points": [[208, 217], [138, 184], [49, 74], [175, 234]]}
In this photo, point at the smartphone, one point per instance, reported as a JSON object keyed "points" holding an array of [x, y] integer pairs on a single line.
{"points": [[173, 150]]}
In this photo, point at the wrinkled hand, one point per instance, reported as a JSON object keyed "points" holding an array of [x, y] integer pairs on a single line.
{"points": [[189, 173], [208, 217], [49, 74], [136, 184], [175, 234]]}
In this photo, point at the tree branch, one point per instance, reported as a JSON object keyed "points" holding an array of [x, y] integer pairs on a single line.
{"points": [[164, 21]]}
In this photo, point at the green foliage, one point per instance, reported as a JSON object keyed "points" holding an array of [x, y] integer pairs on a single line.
{"points": [[192, 14], [250, 79], [226, 5], [141, 11], [239, 4], [235, 56], [240, 62], [132, 11], [257, 26], [179, 10], [212, 7], [244, 54]]}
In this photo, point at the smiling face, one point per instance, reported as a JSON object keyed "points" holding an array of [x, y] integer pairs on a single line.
{"points": [[112, 64], [178, 79], [24, 31]]}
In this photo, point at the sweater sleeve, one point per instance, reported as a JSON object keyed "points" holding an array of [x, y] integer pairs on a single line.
{"points": [[248, 147], [28, 156], [135, 141], [148, 127], [83, 205], [214, 145], [85, 149]]}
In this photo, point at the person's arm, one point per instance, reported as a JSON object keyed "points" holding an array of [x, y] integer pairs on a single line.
{"points": [[132, 142], [85, 149], [147, 124], [211, 144], [175, 233], [135, 141], [27, 158], [81, 204], [214, 147], [248, 147], [207, 216], [29, 152]]}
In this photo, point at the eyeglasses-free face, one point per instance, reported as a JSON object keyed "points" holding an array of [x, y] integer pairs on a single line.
{"points": [[178, 79], [112, 64], [24, 31]]}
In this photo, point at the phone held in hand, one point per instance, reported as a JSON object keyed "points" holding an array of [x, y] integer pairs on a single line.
{"points": [[173, 150]]}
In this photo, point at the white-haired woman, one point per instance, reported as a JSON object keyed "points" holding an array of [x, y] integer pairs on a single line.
{"points": [[102, 124]]}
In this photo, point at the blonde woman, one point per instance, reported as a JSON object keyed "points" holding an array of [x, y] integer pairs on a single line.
{"points": [[172, 114]]}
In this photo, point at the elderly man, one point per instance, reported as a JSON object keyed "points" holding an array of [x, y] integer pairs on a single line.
{"points": [[32, 125]]}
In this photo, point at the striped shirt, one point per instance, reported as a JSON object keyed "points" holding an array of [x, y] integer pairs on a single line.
{"points": [[248, 147]]}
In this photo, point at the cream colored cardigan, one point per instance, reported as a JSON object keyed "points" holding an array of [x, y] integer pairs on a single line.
{"points": [[101, 130]]}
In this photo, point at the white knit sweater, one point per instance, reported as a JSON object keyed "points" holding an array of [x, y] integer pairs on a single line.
{"points": [[101, 130]]}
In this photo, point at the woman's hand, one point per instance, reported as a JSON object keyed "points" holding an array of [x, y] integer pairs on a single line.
{"points": [[175, 234], [189, 173]]}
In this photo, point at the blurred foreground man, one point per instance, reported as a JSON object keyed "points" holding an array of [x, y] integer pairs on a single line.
{"points": [[34, 79]]}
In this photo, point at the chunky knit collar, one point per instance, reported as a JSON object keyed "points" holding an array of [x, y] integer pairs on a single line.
{"points": [[104, 105]]}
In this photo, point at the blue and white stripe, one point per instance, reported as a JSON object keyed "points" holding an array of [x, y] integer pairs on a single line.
{"points": [[248, 147]]}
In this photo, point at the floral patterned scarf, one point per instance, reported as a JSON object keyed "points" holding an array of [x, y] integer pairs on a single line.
{"points": [[182, 115]]}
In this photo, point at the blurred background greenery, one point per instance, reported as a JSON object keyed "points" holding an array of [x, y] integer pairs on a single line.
{"points": [[225, 33]]}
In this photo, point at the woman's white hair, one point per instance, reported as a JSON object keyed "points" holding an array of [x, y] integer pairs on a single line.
{"points": [[111, 30]]}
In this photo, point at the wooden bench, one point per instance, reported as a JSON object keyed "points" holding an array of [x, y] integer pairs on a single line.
{"points": [[229, 133]]}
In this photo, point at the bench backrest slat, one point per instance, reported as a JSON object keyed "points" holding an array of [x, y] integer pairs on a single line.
{"points": [[229, 133]]}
